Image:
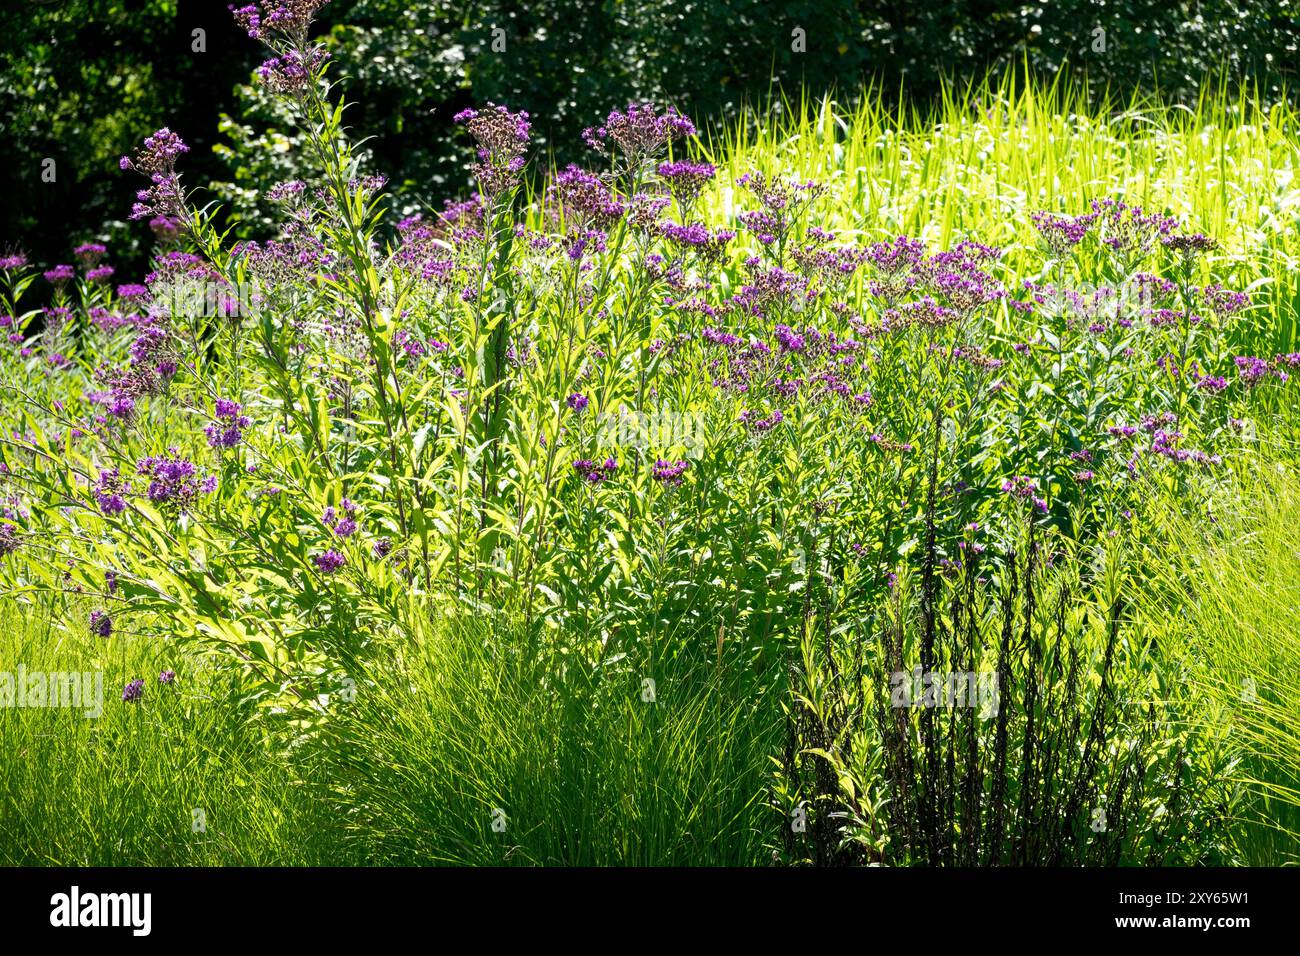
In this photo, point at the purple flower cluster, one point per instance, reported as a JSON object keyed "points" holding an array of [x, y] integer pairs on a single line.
{"points": [[166, 229], [770, 288], [759, 424], [709, 245], [585, 201], [134, 690], [9, 542], [669, 473], [1188, 246], [685, 180], [154, 349], [345, 525], [782, 202], [1019, 486], [896, 257], [640, 131], [111, 491], [101, 625], [834, 265], [330, 561], [293, 71], [60, 276], [1127, 230], [89, 254], [952, 286], [1062, 233], [174, 482], [290, 18], [156, 159], [502, 138], [1253, 370], [228, 430], [595, 471], [1222, 302]]}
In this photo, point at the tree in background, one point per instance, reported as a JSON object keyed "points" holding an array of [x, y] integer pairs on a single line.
{"points": [[79, 82]]}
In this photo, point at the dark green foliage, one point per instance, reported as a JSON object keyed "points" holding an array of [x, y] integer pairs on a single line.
{"points": [[80, 82], [82, 79]]}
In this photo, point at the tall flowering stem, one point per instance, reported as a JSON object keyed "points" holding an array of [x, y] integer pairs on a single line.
{"points": [[501, 138], [297, 73]]}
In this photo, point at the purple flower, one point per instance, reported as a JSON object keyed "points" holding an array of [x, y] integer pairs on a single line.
{"points": [[790, 340], [89, 254], [502, 139], [166, 229], [595, 471], [154, 350], [1026, 489], [174, 482], [1127, 230], [639, 131], [382, 547], [249, 19], [757, 424], [341, 527], [101, 625], [156, 159], [578, 402], [782, 200], [896, 257], [1222, 302], [1253, 370], [328, 562], [669, 473], [1188, 246], [586, 202], [134, 690], [8, 538], [110, 491], [685, 180], [228, 430], [167, 677], [60, 275], [293, 71], [122, 406], [1062, 233], [697, 239]]}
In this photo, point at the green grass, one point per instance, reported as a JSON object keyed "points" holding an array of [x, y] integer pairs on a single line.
{"points": [[1230, 615], [121, 789], [586, 769], [437, 737]]}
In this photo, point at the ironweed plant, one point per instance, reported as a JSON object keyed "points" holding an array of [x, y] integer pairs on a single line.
{"points": [[649, 418]]}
